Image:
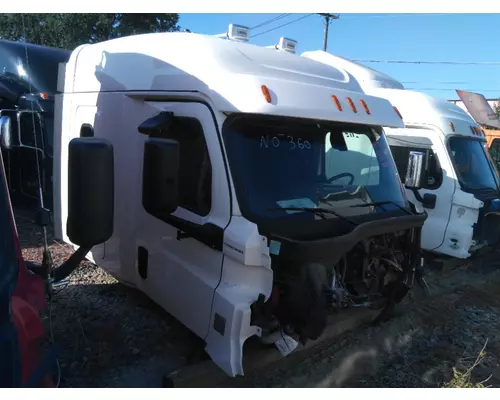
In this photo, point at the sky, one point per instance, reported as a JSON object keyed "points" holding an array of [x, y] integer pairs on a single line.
{"points": [[388, 37]]}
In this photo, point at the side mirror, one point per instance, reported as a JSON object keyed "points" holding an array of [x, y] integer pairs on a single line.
{"points": [[30, 133], [160, 179], [5, 133], [415, 174], [90, 191]]}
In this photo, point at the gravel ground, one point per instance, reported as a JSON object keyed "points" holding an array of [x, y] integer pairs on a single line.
{"points": [[419, 346], [113, 336]]}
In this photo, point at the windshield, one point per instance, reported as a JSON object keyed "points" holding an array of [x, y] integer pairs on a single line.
{"points": [[284, 163], [473, 168]]}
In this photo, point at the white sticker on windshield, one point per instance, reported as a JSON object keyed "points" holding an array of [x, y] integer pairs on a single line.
{"points": [[296, 203]]}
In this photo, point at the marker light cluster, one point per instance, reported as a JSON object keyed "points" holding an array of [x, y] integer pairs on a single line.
{"points": [[476, 131], [351, 104]]}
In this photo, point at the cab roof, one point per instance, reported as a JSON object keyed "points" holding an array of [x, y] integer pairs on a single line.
{"points": [[230, 74], [367, 77], [415, 107]]}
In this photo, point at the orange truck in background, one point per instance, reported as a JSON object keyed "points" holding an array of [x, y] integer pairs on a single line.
{"points": [[480, 110]]}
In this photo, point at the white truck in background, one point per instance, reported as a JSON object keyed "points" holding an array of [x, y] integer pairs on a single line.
{"points": [[461, 191], [247, 185]]}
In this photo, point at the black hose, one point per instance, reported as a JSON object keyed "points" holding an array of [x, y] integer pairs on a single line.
{"points": [[70, 264]]}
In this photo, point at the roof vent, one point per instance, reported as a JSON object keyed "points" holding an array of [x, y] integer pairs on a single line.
{"points": [[237, 33], [288, 45]]}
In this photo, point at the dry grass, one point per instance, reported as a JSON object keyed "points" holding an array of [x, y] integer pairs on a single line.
{"points": [[463, 379]]}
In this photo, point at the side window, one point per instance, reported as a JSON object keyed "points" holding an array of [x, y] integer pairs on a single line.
{"points": [[495, 152], [434, 177], [195, 170]]}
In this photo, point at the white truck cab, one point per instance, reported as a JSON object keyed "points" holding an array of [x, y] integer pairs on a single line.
{"points": [[246, 184], [460, 193]]}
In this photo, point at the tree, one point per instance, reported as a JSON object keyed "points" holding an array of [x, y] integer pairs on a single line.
{"points": [[68, 31], [496, 108]]}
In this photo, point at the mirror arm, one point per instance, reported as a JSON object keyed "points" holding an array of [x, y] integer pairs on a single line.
{"points": [[417, 195], [70, 264]]}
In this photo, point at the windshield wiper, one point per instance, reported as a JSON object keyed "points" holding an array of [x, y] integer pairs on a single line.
{"points": [[381, 203], [315, 210]]}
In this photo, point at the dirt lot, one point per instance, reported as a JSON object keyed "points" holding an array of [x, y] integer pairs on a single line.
{"points": [[113, 336]]}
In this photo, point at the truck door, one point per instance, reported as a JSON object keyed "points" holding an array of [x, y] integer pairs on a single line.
{"points": [[439, 186], [179, 256]]}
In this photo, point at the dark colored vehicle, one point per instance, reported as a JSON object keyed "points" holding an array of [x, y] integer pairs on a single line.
{"points": [[23, 284], [22, 299], [28, 82]]}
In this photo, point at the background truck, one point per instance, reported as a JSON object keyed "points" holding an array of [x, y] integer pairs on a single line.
{"points": [[480, 109], [28, 81], [461, 190], [232, 208]]}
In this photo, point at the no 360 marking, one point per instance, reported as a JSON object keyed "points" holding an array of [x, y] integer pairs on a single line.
{"points": [[293, 143]]}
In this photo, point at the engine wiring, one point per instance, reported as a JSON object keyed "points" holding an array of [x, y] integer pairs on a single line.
{"points": [[341, 294]]}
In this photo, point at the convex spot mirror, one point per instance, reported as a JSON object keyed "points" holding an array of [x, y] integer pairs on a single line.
{"points": [[5, 132], [90, 191], [415, 174]]}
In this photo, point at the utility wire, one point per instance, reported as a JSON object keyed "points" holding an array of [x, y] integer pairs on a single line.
{"points": [[393, 15], [438, 82], [473, 90], [274, 19], [281, 26], [431, 62], [362, 16]]}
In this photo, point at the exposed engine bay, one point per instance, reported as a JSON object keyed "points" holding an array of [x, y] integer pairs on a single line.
{"points": [[486, 230], [375, 273]]}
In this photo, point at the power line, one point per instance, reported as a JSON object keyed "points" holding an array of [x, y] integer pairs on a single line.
{"points": [[274, 19], [284, 15], [394, 15], [445, 89], [438, 82], [281, 26], [491, 63]]}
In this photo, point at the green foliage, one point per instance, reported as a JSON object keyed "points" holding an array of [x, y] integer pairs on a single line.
{"points": [[68, 31], [496, 108]]}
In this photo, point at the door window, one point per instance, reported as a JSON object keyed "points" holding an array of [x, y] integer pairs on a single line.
{"points": [[195, 170], [434, 177]]}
